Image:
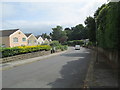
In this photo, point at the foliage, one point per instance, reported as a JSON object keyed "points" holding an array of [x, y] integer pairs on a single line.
{"points": [[76, 33], [44, 35], [74, 42], [91, 27], [6, 52], [57, 45], [58, 34], [108, 18], [62, 47]]}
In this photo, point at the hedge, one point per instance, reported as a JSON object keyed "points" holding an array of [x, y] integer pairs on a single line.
{"points": [[62, 47], [74, 42], [108, 20], [57, 45], [6, 52]]}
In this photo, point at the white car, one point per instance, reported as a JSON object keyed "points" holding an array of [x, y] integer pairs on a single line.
{"points": [[77, 47]]}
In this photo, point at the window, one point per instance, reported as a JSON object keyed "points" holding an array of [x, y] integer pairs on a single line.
{"points": [[22, 45], [23, 39], [29, 41], [15, 39], [35, 41]]}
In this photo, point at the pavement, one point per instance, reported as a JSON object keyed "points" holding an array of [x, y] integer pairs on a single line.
{"points": [[100, 74], [65, 70]]}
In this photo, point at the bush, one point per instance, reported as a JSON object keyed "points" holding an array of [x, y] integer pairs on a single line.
{"points": [[75, 42], [55, 43], [6, 52], [108, 20]]}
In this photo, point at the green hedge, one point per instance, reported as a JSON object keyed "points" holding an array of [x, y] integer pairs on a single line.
{"points": [[62, 47], [57, 45], [74, 42], [6, 52], [108, 20]]}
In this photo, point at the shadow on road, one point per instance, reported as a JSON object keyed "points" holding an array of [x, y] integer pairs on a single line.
{"points": [[73, 73]]}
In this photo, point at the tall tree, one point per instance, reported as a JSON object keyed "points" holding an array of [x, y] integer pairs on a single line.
{"points": [[91, 27], [45, 35], [58, 34], [77, 32], [68, 33]]}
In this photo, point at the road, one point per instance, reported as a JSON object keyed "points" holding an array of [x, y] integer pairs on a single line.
{"points": [[67, 70]]}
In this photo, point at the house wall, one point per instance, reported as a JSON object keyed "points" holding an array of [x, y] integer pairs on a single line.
{"points": [[5, 41], [40, 41], [31, 40], [18, 35], [46, 41]]}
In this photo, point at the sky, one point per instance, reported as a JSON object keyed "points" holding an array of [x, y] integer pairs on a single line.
{"points": [[40, 16]]}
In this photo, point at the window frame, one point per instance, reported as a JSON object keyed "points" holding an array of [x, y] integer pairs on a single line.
{"points": [[23, 39], [15, 40]]}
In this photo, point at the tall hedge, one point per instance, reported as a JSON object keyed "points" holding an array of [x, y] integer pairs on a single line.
{"points": [[108, 24]]}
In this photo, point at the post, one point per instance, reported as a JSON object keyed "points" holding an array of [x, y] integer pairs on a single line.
{"points": [[96, 42]]}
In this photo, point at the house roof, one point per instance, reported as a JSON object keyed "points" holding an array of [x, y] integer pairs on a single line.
{"points": [[28, 34], [7, 32], [38, 36]]}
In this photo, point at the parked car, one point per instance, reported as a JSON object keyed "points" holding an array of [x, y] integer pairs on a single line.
{"points": [[77, 47]]}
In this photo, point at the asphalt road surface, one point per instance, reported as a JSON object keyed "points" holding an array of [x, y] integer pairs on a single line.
{"points": [[67, 70]]}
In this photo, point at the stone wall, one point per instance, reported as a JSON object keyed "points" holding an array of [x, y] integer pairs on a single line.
{"points": [[112, 56], [24, 56]]}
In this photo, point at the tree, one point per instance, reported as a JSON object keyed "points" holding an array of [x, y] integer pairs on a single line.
{"points": [[63, 37], [68, 33], [108, 20], [59, 34], [77, 32], [56, 33], [44, 35], [91, 27]]}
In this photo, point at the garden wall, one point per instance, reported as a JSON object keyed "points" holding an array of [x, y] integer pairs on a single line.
{"points": [[112, 56], [24, 56]]}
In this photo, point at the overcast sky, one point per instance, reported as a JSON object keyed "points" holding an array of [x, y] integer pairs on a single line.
{"points": [[39, 17]]}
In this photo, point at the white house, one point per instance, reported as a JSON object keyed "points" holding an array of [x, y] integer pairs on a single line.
{"points": [[49, 40], [46, 41], [39, 40], [31, 39]]}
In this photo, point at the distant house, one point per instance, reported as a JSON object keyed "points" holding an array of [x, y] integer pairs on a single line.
{"points": [[39, 39], [12, 38], [86, 41], [49, 40], [31, 39], [46, 41]]}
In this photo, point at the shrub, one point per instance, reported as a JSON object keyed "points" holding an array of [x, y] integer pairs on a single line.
{"points": [[55, 43], [75, 42], [6, 52]]}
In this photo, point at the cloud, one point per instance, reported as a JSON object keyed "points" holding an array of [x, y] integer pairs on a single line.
{"points": [[51, 0], [42, 16], [34, 27]]}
